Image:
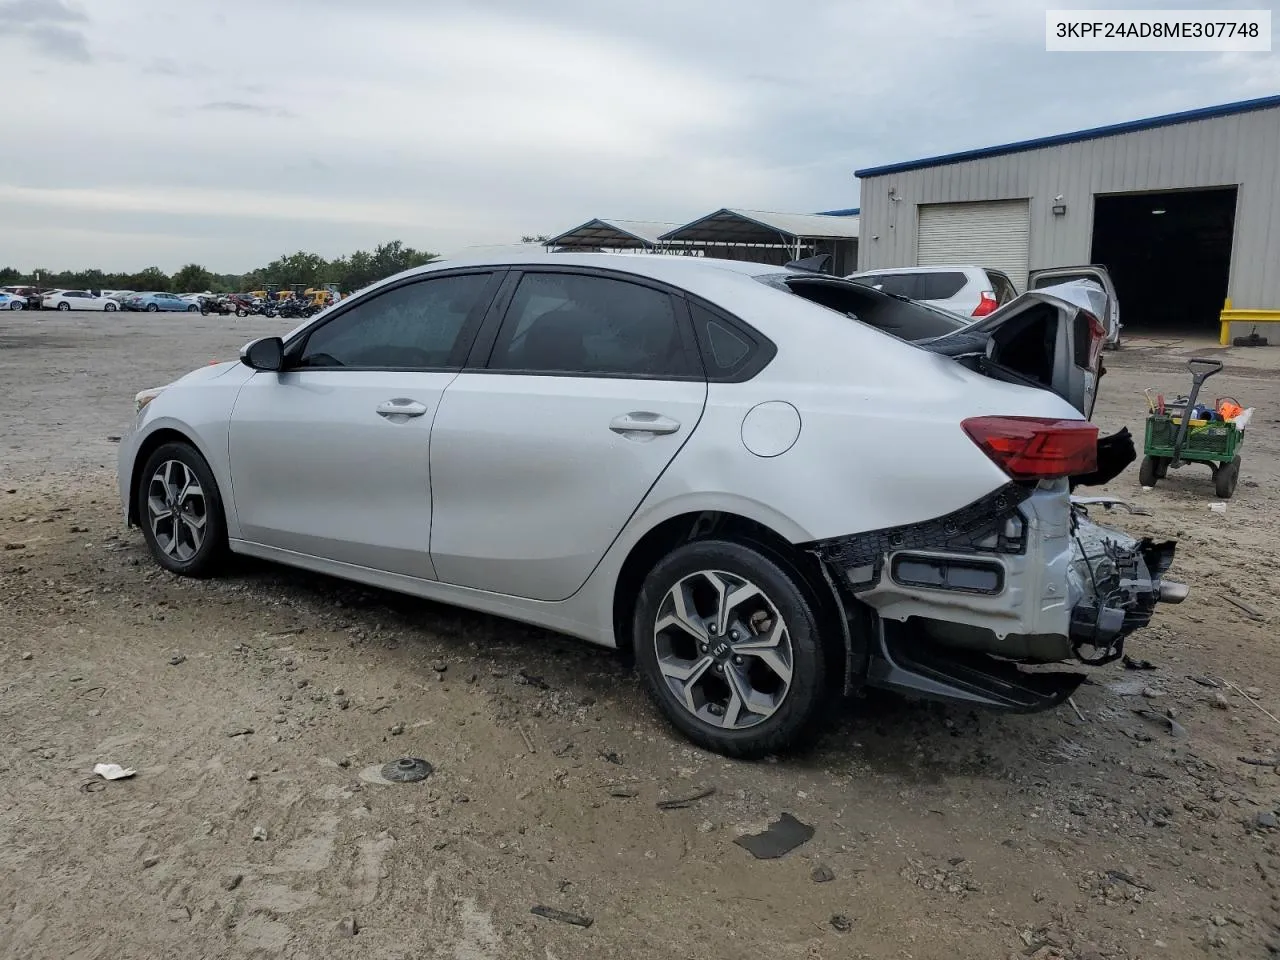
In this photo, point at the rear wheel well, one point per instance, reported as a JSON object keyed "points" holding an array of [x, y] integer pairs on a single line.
{"points": [[149, 446], [712, 525]]}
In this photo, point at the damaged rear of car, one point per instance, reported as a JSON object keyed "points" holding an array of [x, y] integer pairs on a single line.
{"points": [[961, 604]]}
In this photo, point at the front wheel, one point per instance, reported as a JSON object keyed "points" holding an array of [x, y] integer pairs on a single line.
{"points": [[193, 309], [730, 649], [1225, 479], [241, 312], [180, 511], [1150, 471], [17, 305], [109, 308], [64, 305]]}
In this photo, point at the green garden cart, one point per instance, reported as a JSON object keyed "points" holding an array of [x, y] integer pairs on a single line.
{"points": [[1185, 433]]}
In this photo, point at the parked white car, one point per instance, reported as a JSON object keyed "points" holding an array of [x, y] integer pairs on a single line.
{"points": [[967, 291], [78, 300], [749, 476], [10, 301]]}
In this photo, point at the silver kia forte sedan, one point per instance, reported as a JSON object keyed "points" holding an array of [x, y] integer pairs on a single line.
{"points": [[768, 485]]}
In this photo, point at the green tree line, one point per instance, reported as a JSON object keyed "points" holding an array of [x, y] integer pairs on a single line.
{"points": [[349, 272]]}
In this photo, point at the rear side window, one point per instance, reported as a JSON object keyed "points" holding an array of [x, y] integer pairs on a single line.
{"points": [[589, 326], [939, 286]]}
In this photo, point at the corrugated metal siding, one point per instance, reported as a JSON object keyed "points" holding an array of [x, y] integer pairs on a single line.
{"points": [[985, 234], [1242, 149]]}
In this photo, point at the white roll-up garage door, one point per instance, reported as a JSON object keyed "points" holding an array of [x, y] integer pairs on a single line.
{"points": [[993, 234]]}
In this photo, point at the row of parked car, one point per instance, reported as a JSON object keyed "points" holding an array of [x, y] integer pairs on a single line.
{"points": [[107, 301]]}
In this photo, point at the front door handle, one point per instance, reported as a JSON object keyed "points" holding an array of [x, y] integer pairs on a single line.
{"points": [[643, 422], [401, 407]]}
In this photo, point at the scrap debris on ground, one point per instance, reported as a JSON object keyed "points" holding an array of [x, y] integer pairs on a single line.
{"points": [[249, 829]]}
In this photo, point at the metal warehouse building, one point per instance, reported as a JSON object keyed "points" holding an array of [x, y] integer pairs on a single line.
{"points": [[1183, 210]]}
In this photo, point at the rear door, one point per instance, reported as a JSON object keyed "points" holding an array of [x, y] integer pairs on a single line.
{"points": [[582, 389], [1040, 279]]}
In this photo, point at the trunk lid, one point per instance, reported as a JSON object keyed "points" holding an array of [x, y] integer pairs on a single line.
{"points": [[1044, 279], [1050, 338]]}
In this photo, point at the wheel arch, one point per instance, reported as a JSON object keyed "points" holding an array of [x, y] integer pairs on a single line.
{"points": [[847, 652], [149, 445]]}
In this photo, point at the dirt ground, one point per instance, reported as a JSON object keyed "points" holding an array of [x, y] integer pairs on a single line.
{"points": [[253, 706]]}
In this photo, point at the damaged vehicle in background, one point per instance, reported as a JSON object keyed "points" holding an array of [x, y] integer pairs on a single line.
{"points": [[769, 485]]}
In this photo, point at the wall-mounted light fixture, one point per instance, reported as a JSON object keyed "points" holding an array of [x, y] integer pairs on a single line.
{"points": [[1059, 209], [1157, 212]]}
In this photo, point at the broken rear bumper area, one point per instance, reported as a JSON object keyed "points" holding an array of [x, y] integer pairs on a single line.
{"points": [[959, 607]]}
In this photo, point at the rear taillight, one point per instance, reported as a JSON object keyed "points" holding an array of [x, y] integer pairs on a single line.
{"points": [[986, 303], [1097, 340], [1034, 448]]}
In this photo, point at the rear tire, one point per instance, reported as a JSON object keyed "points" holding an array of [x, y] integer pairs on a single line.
{"points": [[729, 646], [64, 305], [1225, 479], [152, 308], [1149, 473], [180, 511]]}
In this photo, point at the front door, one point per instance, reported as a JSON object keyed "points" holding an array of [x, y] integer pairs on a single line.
{"points": [[330, 457], [539, 459]]}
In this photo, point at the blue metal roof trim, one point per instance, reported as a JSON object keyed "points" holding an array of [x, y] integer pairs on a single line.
{"points": [[1057, 140], [847, 212]]}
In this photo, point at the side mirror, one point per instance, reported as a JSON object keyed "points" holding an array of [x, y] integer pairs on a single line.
{"points": [[266, 354]]}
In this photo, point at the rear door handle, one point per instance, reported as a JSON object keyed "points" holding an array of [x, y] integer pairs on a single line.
{"points": [[643, 422], [401, 407]]}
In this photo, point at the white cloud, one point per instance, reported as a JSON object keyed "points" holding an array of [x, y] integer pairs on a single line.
{"points": [[451, 125]]}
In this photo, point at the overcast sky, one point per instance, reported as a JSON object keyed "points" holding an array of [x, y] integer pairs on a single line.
{"points": [[227, 132]]}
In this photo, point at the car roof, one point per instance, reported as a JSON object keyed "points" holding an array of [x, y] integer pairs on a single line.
{"points": [[656, 266]]}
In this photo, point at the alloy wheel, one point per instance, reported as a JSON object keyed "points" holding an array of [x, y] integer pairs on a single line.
{"points": [[177, 510], [723, 649]]}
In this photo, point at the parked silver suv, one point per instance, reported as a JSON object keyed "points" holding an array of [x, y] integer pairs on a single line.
{"points": [[965, 290]]}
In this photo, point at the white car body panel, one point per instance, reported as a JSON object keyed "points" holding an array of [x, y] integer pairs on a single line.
{"points": [[534, 494], [301, 443]]}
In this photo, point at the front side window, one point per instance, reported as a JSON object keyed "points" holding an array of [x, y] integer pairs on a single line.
{"points": [[412, 327], [591, 326]]}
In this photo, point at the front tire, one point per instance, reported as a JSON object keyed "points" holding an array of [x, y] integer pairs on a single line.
{"points": [[17, 305], [109, 308], [729, 646], [193, 309], [180, 511], [1149, 473], [1225, 479]]}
